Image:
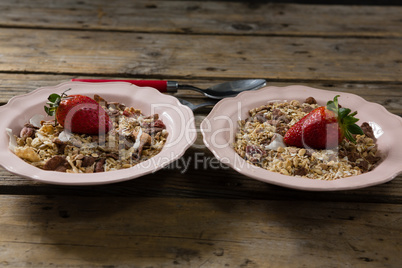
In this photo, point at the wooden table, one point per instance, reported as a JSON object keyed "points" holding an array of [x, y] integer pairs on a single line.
{"points": [[202, 216]]}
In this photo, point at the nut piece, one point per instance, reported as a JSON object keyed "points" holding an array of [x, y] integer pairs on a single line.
{"points": [[57, 163], [368, 131], [100, 165], [27, 131], [310, 100], [87, 161], [100, 100]]}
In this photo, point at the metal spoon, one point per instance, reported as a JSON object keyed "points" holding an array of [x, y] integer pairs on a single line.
{"points": [[194, 107], [220, 91], [227, 89]]}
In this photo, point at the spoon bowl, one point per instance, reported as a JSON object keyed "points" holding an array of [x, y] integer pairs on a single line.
{"points": [[195, 107], [228, 89]]}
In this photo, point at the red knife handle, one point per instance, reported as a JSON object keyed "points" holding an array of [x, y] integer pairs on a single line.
{"points": [[160, 85]]}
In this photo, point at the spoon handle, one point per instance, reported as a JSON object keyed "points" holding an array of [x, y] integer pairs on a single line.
{"points": [[161, 85]]}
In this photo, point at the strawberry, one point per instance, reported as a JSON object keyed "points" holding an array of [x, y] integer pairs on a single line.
{"points": [[78, 114], [324, 127]]}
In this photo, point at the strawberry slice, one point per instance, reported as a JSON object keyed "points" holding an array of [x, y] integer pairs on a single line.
{"points": [[324, 127], [78, 114]]}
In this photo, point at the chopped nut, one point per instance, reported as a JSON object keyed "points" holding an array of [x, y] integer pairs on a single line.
{"points": [[310, 100], [57, 163], [79, 157], [27, 131], [99, 166], [368, 131], [87, 161], [47, 129]]}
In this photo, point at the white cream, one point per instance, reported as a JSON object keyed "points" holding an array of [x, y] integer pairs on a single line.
{"points": [[12, 144], [138, 140], [276, 143]]}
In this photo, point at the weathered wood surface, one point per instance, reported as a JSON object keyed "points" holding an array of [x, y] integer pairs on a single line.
{"points": [[189, 179], [387, 94], [207, 17], [124, 232], [231, 184], [187, 215], [200, 56]]}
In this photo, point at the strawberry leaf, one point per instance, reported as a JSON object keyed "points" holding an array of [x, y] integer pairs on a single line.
{"points": [[346, 120], [50, 111], [333, 105], [355, 129], [350, 137], [54, 102], [349, 120], [53, 98], [343, 112]]}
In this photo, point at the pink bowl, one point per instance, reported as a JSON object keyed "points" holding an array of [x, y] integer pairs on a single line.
{"points": [[179, 121], [220, 126]]}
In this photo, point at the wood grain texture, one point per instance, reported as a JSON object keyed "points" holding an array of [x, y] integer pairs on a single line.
{"points": [[200, 56], [388, 95], [188, 178], [197, 212], [206, 17], [124, 232], [199, 175]]}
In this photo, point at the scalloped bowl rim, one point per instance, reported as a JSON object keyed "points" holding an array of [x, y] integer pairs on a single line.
{"points": [[178, 118], [218, 135]]}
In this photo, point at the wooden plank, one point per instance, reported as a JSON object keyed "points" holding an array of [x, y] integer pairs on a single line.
{"points": [[208, 184], [97, 232], [166, 55], [203, 183], [389, 95], [206, 17], [199, 175]]}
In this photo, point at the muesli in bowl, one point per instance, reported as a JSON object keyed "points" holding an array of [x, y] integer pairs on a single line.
{"points": [[122, 149], [129, 137], [260, 141], [259, 135]]}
